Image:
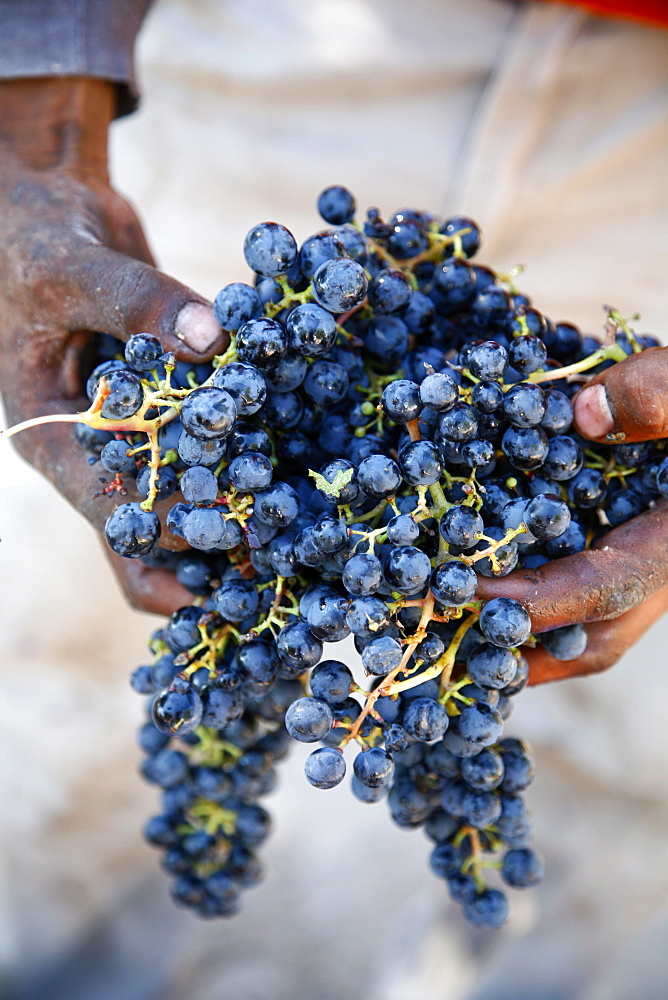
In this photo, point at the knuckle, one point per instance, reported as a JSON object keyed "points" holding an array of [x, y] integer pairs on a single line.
{"points": [[123, 284]]}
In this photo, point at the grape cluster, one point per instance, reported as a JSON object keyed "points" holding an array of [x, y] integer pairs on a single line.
{"points": [[390, 420]]}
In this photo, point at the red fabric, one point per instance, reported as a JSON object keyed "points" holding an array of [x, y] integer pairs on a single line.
{"points": [[650, 11]]}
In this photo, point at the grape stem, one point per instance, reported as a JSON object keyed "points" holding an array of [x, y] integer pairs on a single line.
{"points": [[387, 682], [611, 352]]}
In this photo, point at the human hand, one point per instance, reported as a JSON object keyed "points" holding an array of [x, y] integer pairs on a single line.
{"points": [[73, 261], [620, 587]]}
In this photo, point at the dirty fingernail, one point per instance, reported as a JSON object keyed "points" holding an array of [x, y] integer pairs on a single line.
{"points": [[196, 326], [592, 412]]}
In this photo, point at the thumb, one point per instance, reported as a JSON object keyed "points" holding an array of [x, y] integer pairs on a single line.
{"points": [[629, 398], [123, 296]]}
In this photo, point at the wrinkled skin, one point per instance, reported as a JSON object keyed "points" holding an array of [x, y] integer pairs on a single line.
{"points": [[74, 259], [620, 587]]}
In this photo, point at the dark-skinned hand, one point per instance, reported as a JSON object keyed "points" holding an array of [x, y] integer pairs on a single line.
{"points": [[620, 587], [74, 260]]}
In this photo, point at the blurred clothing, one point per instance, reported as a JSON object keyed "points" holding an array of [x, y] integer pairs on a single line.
{"points": [[72, 38], [547, 126]]}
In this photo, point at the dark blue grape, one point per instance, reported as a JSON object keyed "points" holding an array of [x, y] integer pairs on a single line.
{"points": [[558, 412], [374, 767], [104, 369], [236, 600], [269, 249], [327, 618], [166, 482], [524, 405], [195, 451], [525, 447], [308, 720], [178, 710], [527, 354], [488, 909], [325, 767], [478, 454], [326, 383], [407, 239], [587, 489], [481, 809], [573, 539], [420, 463], [114, 456], [379, 476], [425, 719], [131, 531], [546, 516], [339, 285], [366, 616], [480, 724], [484, 772], [386, 341], [446, 859], [389, 291], [316, 250], [564, 458], [142, 351], [401, 401], [311, 330], [208, 413], [403, 530], [491, 666], [331, 681], [566, 643], [205, 528], [439, 391], [504, 622], [381, 655], [250, 471], [298, 649], [261, 342], [488, 360], [278, 505], [245, 385], [407, 569], [487, 396], [459, 423], [466, 229], [454, 583], [235, 304], [363, 575], [336, 205], [125, 395]]}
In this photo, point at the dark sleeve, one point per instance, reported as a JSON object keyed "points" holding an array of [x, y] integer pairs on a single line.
{"points": [[73, 38]]}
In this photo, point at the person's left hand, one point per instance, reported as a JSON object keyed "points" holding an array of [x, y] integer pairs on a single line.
{"points": [[620, 587]]}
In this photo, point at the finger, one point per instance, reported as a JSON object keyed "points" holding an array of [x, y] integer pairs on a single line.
{"points": [[629, 398], [125, 230], [79, 476], [606, 644], [122, 296], [626, 567], [154, 590]]}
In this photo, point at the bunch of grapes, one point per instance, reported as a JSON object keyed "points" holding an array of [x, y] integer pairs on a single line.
{"points": [[390, 420]]}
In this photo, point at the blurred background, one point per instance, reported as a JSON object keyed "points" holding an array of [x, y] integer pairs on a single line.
{"points": [[548, 126]]}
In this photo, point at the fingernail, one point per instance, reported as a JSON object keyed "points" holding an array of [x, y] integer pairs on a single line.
{"points": [[592, 413], [197, 328]]}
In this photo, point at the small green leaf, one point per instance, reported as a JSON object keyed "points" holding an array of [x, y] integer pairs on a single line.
{"points": [[336, 487]]}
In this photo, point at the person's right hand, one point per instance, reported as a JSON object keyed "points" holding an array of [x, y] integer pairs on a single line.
{"points": [[73, 261], [619, 587]]}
